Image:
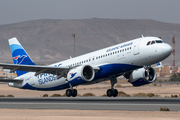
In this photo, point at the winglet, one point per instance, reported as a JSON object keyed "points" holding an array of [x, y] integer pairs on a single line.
{"points": [[159, 65]]}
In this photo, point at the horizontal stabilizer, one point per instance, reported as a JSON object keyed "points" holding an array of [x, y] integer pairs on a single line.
{"points": [[11, 80]]}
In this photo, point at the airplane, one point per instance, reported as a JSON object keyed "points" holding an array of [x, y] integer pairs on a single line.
{"points": [[132, 59]]}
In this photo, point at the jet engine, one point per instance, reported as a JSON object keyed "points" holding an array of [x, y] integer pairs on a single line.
{"points": [[142, 76], [85, 72]]}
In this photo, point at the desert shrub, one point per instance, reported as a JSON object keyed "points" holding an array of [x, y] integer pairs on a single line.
{"points": [[10, 96], [174, 96], [104, 95], [55, 95], [140, 95], [2, 96], [164, 109], [79, 95], [45, 95], [88, 94], [118, 85], [64, 95], [175, 77], [150, 95], [123, 94]]}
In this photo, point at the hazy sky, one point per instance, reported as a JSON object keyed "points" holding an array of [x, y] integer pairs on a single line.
{"points": [[12, 11]]}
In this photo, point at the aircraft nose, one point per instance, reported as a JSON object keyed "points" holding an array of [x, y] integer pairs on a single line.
{"points": [[166, 49]]}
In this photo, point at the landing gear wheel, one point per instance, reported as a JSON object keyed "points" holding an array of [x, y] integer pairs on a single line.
{"points": [[109, 92], [115, 92], [74, 92], [68, 92], [112, 92]]}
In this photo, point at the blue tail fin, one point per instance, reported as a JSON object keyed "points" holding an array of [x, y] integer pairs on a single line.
{"points": [[19, 55]]}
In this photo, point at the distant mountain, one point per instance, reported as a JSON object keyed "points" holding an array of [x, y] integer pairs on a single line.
{"points": [[49, 41]]}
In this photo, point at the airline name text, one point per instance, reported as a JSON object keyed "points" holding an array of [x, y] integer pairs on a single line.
{"points": [[118, 47], [47, 77]]}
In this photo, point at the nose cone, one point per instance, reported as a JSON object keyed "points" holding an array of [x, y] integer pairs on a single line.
{"points": [[166, 50]]}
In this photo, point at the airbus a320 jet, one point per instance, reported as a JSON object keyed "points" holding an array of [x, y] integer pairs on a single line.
{"points": [[132, 59]]}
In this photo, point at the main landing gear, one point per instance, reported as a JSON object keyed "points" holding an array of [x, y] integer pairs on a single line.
{"points": [[112, 92], [71, 92]]}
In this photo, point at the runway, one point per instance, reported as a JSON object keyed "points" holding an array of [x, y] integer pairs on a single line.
{"points": [[92, 103]]}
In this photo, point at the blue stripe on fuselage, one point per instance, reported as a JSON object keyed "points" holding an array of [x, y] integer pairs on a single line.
{"points": [[114, 69], [105, 72], [73, 82]]}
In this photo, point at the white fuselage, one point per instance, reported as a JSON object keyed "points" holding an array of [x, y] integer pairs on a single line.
{"points": [[112, 61]]}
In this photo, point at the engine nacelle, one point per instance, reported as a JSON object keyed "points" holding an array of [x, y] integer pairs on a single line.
{"points": [[85, 72], [142, 76]]}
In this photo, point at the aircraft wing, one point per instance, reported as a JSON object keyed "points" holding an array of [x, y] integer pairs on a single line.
{"points": [[11, 80], [35, 68]]}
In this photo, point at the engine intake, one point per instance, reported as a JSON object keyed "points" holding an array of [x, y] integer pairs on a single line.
{"points": [[86, 72], [142, 76]]}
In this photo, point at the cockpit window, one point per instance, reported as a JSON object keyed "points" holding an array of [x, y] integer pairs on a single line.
{"points": [[159, 41], [152, 42], [149, 43]]}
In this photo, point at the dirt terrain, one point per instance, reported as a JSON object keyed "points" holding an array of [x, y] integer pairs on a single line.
{"points": [[162, 90], [98, 89], [19, 114]]}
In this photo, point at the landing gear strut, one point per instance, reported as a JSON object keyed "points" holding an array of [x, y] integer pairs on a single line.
{"points": [[112, 92], [71, 92]]}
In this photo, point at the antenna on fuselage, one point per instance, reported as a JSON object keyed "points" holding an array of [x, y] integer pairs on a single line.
{"points": [[142, 36]]}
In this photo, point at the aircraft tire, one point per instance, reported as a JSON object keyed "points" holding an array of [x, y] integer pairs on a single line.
{"points": [[68, 92], [74, 93], [115, 92], [109, 92]]}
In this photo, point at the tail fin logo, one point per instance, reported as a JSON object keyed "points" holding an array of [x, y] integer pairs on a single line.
{"points": [[19, 59]]}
